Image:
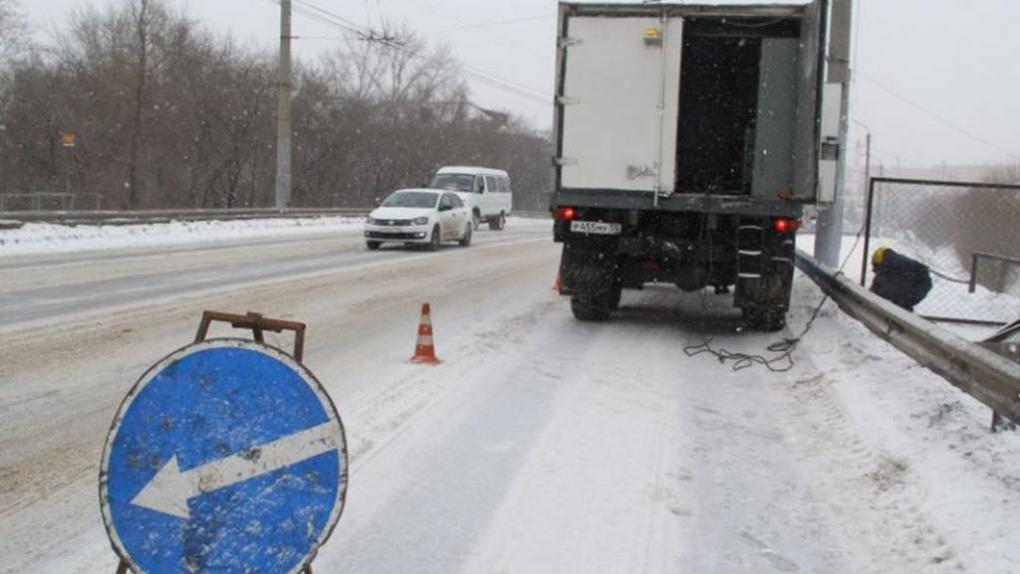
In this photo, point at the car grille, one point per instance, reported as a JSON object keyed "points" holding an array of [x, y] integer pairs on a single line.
{"points": [[393, 222], [393, 235]]}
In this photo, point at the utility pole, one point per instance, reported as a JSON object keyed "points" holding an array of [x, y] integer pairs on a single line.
{"points": [[284, 132], [829, 235]]}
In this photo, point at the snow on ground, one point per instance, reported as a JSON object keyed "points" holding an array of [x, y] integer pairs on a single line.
{"points": [[547, 445], [919, 448], [45, 238]]}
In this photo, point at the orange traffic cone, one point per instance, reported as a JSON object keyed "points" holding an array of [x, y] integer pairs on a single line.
{"points": [[425, 351]]}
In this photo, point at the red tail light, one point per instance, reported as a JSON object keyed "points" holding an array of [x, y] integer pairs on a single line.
{"points": [[786, 225], [565, 213]]}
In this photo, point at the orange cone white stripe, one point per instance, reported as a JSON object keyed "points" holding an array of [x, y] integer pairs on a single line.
{"points": [[425, 351]]}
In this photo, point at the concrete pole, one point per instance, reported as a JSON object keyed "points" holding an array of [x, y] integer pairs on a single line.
{"points": [[284, 146], [829, 235]]}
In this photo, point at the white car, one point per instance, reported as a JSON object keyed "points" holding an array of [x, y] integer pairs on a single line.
{"points": [[419, 216], [485, 192]]}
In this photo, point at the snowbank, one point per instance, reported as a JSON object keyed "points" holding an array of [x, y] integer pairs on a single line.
{"points": [[44, 238]]}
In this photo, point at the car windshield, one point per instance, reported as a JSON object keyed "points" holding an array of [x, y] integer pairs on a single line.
{"points": [[454, 182], [418, 199]]}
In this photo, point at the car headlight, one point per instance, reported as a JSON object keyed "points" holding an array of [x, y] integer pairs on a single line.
{"points": [[421, 221], [370, 220]]}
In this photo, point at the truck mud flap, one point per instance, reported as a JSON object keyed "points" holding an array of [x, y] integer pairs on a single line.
{"points": [[588, 271]]}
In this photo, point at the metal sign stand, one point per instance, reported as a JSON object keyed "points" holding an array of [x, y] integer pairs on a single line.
{"points": [[258, 325]]}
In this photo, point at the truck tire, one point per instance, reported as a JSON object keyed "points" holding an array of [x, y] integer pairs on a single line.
{"points": [[590, 310], [770, 321], [614, 298], [498, 223]]}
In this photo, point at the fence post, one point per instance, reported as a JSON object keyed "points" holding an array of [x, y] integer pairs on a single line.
{"points": [[974, 272], [867, 232]]}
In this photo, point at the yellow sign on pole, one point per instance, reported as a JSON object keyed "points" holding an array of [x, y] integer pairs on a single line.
{"points": [[67, 139]]}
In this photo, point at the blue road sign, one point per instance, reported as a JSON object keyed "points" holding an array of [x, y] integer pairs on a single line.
{"points": [[227, 456]]}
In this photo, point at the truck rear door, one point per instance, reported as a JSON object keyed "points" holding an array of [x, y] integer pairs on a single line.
{"points": [[618, 99], [808, 138]]}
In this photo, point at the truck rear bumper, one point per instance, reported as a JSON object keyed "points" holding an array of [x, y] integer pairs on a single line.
{"points": [[645, 201]]}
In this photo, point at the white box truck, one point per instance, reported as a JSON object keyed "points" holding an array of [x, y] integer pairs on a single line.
{"points": [[689, 138]]}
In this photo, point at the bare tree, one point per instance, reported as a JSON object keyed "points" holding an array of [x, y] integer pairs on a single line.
{"points": [[14, 36], [171, 115]]}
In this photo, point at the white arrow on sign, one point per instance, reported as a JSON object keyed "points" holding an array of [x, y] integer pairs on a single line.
{"points": [[170, 490]]}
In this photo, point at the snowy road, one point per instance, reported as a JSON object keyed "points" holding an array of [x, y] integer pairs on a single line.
{"points": [[46, 288], [541, 444]]}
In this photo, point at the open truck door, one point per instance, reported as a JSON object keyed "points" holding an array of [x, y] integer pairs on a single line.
{"points": [[619, 82], [811, 100]]}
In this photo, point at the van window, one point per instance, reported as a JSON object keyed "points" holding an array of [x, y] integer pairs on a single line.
{"points": [[490, 184], [479, 185], [504, 185], [453, 182]]}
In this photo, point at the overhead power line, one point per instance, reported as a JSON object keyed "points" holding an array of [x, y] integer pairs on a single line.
{"points": [[322, 16], [937, 117], [495, 23]]}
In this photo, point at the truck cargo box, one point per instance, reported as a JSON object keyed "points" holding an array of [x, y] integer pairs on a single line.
{"points": [[690, 107]]}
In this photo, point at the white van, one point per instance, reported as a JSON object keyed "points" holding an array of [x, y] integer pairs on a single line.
{"points": [[486, 192]]}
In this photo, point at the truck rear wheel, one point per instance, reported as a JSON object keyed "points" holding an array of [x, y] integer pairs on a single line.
{"points": [[614, 297], [589, 310]]}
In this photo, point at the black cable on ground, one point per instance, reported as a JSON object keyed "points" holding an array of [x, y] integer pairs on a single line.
{"points": [[782, 360]]}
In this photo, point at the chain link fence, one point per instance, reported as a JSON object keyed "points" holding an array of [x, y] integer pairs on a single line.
{"points": [[967, 233]]}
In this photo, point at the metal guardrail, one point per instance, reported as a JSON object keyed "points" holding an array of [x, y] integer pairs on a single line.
{"points": [[36, 200], [990, 378], [164, 216]]}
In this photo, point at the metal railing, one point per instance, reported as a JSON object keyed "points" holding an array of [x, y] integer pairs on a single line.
{"points": [[988, 377], [978, 257], [168, 215], [43, 200]]}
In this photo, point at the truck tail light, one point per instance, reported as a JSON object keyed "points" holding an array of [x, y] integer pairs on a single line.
{"points": [[564, 213], [786, 225]]}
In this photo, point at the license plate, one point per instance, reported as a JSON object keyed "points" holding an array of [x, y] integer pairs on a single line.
{"points": [[596, 228]]}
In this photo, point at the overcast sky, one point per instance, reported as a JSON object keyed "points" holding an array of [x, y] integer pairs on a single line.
{"points": [[938, 79]]}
